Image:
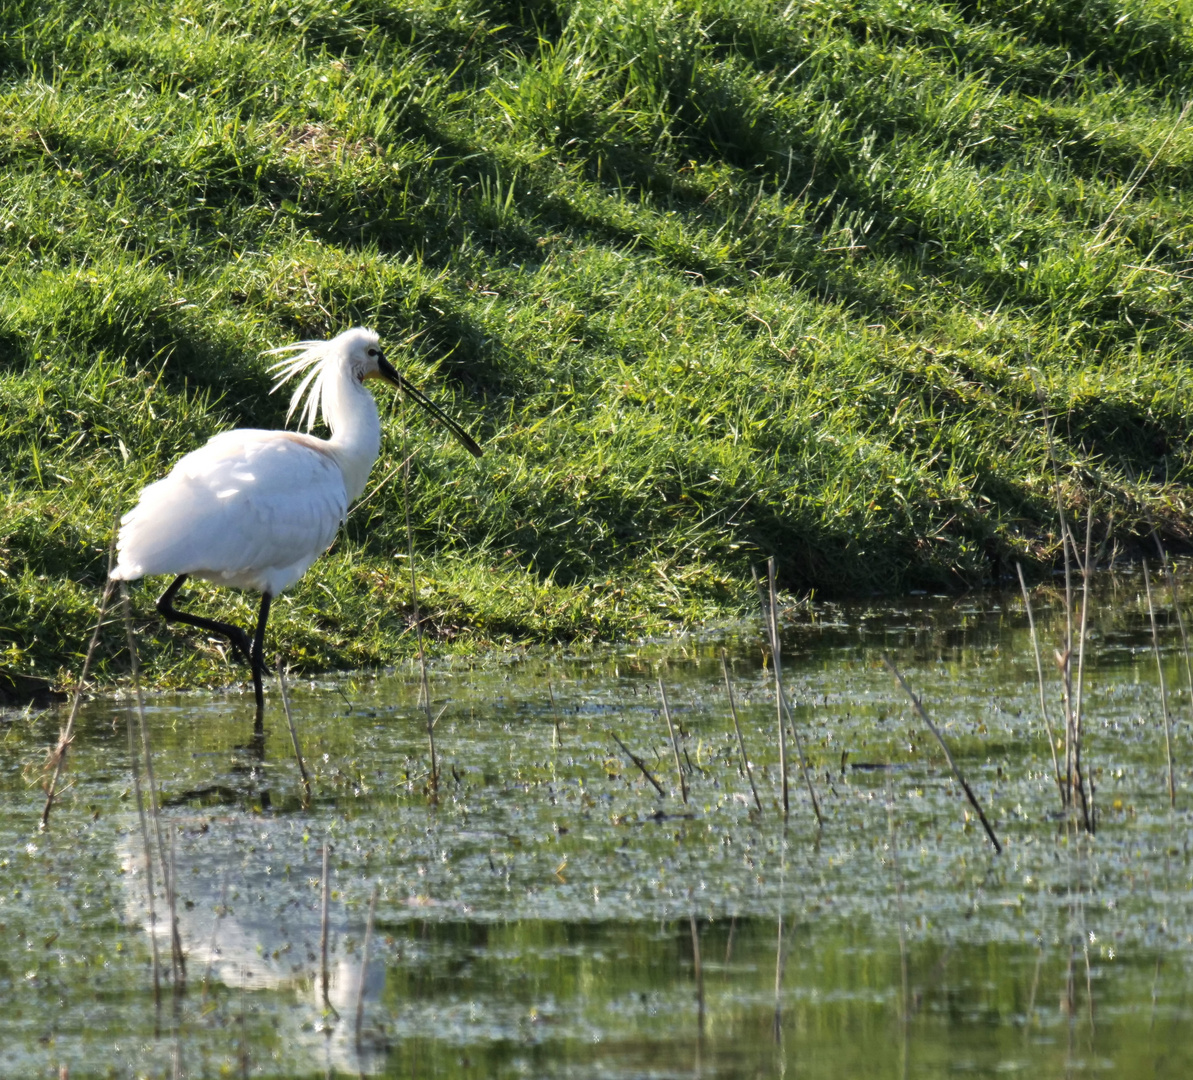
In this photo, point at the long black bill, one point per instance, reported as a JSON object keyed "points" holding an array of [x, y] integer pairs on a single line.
{"points": [[387, 371]]}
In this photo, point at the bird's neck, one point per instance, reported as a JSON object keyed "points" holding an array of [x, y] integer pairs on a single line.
{"points": [[351, 414]]}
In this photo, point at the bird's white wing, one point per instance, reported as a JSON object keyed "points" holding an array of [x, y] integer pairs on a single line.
{"points": [[252, 509]]}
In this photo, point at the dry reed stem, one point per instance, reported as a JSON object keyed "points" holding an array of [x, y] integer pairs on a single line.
{"points": [[58, 755], [777, 1029], [641, 765], [176, 935], [1151, 611], [1082, 633], [785, 706], [683, 784], [1170, 574], [923, 715], [1069, 1001], [1063, 659], [1035, 644], [770, 619], [741, 745], [376, 488], [555, 714], [364, 964], [1087, 573], [425, 688], [324, 900], [302, 769], [177, 960], [134, 763], [425, 693], [893, 835], [1064, 666], [803, 765]]}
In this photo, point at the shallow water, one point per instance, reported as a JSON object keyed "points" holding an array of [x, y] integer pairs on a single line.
{"points": [[543, 917]]}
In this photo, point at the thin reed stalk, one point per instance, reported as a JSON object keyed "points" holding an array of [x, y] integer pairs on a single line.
{"points": [[699, 973], [1170, 574], [780, 948], [1069, 1000], [783, 769], [177, 957], [777, 1029], [324, 906], [376, 487], [176, 934], [923, 715], [1151, 611], [555, 715], [147, 847], [1063, 658], [640, 763], [769, 618], [425, 688], [892, 833], [784, 706], [1035, 644], [177, 960], [741, 745], [364, 964], [66, 735], [1087, 573], [302, 769], [1065, 668], [683, 784]]}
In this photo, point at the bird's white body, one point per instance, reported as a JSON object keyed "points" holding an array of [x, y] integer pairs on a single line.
{"points": [[253, 509]]}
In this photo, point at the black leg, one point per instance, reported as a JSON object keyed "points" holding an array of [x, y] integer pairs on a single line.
{"points": [[252, 652], [258, 658], [238, 638]]}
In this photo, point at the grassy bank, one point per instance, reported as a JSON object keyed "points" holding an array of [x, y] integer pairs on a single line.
{"points": [[710, 282]]}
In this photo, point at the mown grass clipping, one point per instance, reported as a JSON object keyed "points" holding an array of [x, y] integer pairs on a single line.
{"points": [[711, 282]]}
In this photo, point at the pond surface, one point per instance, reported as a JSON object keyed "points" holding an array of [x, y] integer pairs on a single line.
{"points": [[551, 915]]}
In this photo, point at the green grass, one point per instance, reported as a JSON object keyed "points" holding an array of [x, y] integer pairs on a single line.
{"points": [[710, 281]]}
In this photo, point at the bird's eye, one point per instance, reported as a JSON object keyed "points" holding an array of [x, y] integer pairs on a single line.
{"points": [[372, 352]]}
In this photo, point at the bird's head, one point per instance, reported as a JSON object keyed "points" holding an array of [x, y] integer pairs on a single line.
{"points": [[354, 356], [358, 352]]}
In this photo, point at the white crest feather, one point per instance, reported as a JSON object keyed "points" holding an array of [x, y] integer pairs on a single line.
{"points": [[309, 357]]}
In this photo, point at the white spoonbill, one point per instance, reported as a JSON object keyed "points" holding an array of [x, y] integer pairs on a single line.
{"points": [[253, 509]]}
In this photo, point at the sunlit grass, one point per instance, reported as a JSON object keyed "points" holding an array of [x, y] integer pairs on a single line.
{"points": [[710, 283]]}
